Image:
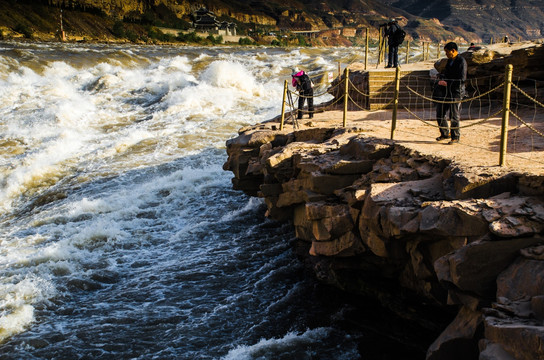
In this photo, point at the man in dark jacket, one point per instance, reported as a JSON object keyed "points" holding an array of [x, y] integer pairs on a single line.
{"points": [[453, 79], [393, 55], [305, 91]]}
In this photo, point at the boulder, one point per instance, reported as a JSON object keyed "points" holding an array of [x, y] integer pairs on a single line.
{"points": [[459, 339], [348, 244], [475, 267], [328, 228], [492, 351], [467, 183], [451, 219], [526, 58], [522, 339], [524, 278], [328, 183], [320, 210], [362, 148], [346, 167]]}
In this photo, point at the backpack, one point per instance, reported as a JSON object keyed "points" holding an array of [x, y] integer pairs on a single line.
{"points": [[305, 83], [398, 36]]}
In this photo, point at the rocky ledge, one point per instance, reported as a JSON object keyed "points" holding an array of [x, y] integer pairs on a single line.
{"points": [[379, 219]]}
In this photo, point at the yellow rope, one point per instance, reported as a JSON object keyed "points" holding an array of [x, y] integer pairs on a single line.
{"points": [[526, 124], [453, 128], [357, 89], [313, 96], [528, 96], [375, 110], [453, 102], [323, 108]]}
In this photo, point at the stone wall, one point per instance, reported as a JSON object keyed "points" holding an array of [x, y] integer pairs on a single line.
{"points": [[378, 219]]}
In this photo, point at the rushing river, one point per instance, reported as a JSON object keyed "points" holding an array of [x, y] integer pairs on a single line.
{"points": [[120, 234]]}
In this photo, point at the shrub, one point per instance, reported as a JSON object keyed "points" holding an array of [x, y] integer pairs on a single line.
{"points": [[190, 38], [215, 40], [156, 34], [118, 29], [302, 40], [25, 30], [131, 36], [245, 41]]}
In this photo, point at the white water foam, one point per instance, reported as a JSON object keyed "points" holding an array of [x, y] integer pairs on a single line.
{"points": [[293, 345], [16, 304], [98, 129]]}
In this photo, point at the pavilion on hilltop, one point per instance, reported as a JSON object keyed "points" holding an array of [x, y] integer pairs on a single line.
{"points": [[206, 22]]}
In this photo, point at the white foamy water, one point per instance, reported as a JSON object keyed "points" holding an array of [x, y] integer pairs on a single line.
{"points": [[120, 234]]}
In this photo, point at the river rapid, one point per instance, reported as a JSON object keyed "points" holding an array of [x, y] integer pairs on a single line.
{"points": [[120, 234]]}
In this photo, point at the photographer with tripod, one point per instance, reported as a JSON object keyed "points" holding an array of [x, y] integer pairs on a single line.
{"points": [[395, 37]]}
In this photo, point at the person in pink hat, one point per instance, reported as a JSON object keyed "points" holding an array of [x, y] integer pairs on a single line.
{"points": [[301, 81]]}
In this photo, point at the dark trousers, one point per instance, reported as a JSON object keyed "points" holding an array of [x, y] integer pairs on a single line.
{"points": [[308, 96], [393, 56], [442, 111]]}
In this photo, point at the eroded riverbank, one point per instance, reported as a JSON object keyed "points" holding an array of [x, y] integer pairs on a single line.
{"points": [[383, 219]]}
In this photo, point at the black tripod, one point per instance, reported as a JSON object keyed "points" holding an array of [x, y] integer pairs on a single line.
{"points": [[291, 104], [381, 45]]}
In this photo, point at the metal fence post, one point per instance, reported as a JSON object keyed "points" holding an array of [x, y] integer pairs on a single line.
{"points": [[283, 104], [366, 49], [424, 51], [395, 103], [407, 51], [505, 112], [346, 95], [428, 51], [379, 46]]}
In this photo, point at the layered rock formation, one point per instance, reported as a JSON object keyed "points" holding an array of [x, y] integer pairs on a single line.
{"points": [[487, 18], [383, 220], [526, 59], [431, 20], [181, 8]]}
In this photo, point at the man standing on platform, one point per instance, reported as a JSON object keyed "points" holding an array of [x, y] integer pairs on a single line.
{"points": [[453, 79], [393, 32]]}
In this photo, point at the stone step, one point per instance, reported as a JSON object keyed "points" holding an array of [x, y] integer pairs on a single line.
{"points": [[381, 86]]}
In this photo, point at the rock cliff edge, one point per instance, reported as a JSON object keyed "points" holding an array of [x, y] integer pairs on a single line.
{"points": [[381, 219]]}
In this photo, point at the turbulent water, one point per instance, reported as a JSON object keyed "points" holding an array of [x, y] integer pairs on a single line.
{"points": [[120, 234]]}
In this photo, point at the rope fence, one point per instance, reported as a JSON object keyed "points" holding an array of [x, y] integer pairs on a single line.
{"points": [[488, 100]]}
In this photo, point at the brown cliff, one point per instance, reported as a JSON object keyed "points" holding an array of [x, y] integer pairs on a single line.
{"points": [[427, 21], [382, 219]]}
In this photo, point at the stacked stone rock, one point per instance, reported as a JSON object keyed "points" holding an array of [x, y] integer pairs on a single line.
{"points": [[385, 221]]}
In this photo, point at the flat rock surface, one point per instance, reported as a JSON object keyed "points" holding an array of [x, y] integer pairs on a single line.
{"points": [[479, 145]]}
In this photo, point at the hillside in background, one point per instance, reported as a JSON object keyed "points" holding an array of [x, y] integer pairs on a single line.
{"points": [[486, 18], [138, 20]]}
